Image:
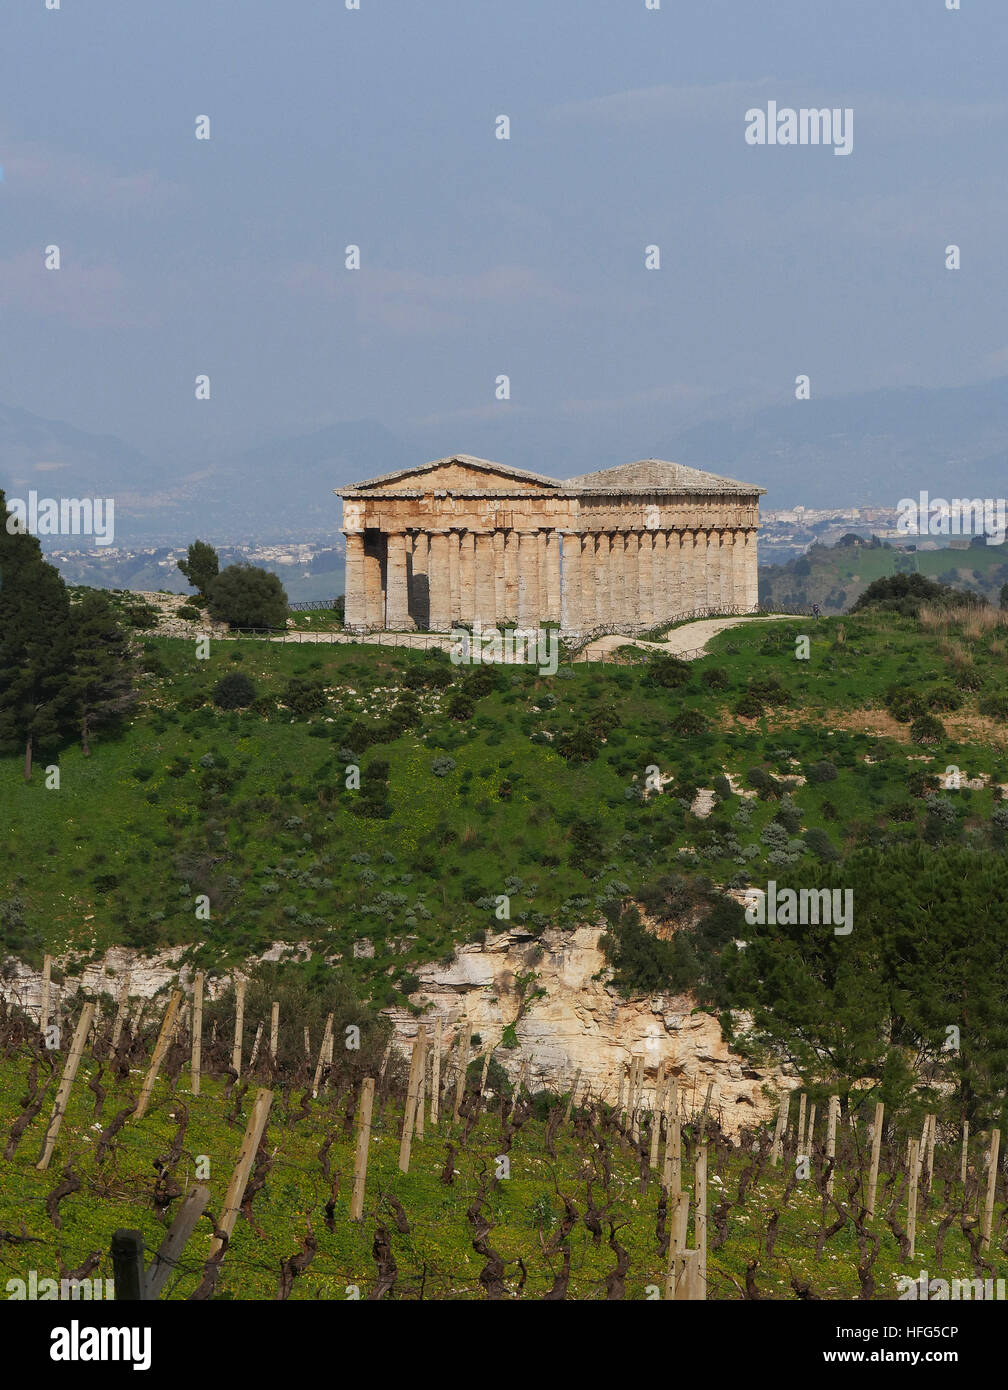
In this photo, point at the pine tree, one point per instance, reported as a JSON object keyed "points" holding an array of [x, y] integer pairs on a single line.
{"points": [[36, 647], [102, 680], [201, 566]]}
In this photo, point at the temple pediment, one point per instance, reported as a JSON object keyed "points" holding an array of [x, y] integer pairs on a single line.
{"points": [[459, 473]]}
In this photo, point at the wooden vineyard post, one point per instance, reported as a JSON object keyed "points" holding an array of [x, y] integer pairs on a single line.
{"points": [[175, 1241], [326, 1035], [800, 1142], [274, 1028], [46, 980], [120, 1017], [636, 1086], [992, 1172], [915, 1168], [929, 1161], [620, 1112], [409, 1118], [307, 1043], [463, 1063], [435, 1089], [236, 1054], [570, 1098], [246, 1157], [678, 1222], [255, 1046], [486, 1067], [700, 1221], [656, 1115], [672, 1173], [831, 1121], [810, 1134], [361, 1153], [419, 1131], [522, 1073], [705, 1111], [66, 1085], [135, 1025], [876, 1150], [197, 1033], [965, 1152], [777, 1150], [160, 1048]]}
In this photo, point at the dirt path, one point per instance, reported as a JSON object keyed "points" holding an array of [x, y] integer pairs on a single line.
{"points": [[687, 641]]}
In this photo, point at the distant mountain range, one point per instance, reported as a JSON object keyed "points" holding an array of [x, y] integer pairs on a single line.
{"points": [[866, 449]]}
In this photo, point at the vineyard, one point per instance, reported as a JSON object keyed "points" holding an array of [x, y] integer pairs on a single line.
{"points": [[431, 1178]]}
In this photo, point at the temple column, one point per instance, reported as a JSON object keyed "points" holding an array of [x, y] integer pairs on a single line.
{"points": [[467, 577], [660, 605], [500, 594], [631, 573], [541, 570], [714, 568], [570, 584], [353, 600], [484, 587], [645, 578], [374, 596], [589, 604], [552, 602], [698, 599], [678, 593], [453, 574], [738, 570], [603, 580], [440, 583], [528, 579], [617, 582], [752, 575], [727, 565], [418, 578], [397, 615], [510, 609]]}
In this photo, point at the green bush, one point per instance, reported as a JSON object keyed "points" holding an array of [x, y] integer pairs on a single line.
{"points": [[927, 729], [247, 596], [234, 691], [824, 771]]}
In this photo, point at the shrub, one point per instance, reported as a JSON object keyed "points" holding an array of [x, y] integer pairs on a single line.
{"points": [[820, 844], [688, 723], [187, 611], [442, 766], [927, 729], [304, 696], [824, 771], [581, 746], [715, 678], [904, 704], [669, 672], [247, 596], [234, 691], [140, 614], [749, 706], [994, 706], [944, 697]]}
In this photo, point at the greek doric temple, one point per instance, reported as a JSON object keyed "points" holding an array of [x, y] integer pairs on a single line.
{"points": [[619, 550]]}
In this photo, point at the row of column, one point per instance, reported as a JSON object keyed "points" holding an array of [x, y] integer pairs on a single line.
{"points": [[584, 580]]}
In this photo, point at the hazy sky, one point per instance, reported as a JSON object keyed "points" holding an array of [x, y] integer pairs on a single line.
{"points": [[482, 256]]}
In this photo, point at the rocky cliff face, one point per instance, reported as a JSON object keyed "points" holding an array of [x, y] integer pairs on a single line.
{"points": [[550, 990], [553, 990]]}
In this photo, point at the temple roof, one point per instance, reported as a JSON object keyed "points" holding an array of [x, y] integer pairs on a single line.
{"points": [[657, 475], [468, 460]]}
